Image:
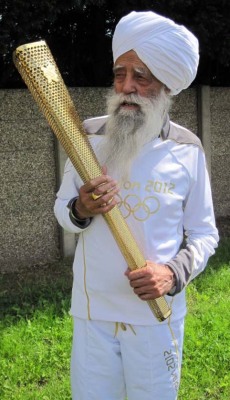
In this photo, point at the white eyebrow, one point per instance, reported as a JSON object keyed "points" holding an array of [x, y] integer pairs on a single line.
{"points": [[116, 67], [139, 70]]}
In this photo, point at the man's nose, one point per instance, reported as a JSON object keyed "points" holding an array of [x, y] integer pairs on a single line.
{"points": [[129, 85]]}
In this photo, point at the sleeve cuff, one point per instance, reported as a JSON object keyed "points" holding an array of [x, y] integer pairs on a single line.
{"points": [[80, 223]]}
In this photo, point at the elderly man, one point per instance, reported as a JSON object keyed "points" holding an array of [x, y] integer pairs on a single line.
{"points": [[155, 171]]}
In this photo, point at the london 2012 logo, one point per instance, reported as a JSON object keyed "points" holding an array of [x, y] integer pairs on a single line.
{"points": [[142, 204], [141, 209]]}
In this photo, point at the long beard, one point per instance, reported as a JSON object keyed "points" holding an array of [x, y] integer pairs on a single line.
{"points": [[128, 130]]}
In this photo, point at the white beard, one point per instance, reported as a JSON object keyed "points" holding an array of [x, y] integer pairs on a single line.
{"points": [[127, 131]]}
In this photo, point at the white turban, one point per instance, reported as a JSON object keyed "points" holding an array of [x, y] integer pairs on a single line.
{"points": [[169, 50]]}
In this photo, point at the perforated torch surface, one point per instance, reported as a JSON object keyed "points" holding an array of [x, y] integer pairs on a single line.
{"points": [[38, 69]]}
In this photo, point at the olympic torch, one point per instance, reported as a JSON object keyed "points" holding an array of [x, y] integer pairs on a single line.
{"points": [[38, 69]]}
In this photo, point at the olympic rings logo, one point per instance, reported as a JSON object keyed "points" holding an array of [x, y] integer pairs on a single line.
{"points": [[141, 210]]}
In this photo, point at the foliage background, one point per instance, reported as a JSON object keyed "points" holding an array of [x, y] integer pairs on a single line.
{"points": [[79, 34]]}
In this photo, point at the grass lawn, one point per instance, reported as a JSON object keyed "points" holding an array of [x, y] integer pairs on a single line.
{"points": [[36, 330], [206, 364]]}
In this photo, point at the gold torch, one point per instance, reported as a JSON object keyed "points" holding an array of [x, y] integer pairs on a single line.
{"points": [[38, 69]]}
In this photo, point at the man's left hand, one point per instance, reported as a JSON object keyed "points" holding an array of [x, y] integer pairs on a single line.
{"points": [[152, 281]]}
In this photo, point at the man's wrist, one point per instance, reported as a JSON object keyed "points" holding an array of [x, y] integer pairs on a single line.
{"points": [[170, 279], [75, 210], [172, 291]]}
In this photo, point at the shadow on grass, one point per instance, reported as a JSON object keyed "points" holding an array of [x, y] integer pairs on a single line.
{"points": [[36, 287]]}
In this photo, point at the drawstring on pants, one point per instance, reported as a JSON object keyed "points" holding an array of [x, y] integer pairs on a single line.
{"points": [[123, 327]]}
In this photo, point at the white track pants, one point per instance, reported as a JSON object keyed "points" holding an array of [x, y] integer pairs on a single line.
{"points": [[112, 360]]}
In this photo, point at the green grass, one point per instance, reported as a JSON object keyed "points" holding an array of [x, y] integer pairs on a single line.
{"points": [[36, 334], [206, 365], [36, 330]]}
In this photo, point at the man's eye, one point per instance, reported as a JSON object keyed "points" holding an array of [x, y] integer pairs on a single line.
{"points": [[141, 78], [119, 75]]}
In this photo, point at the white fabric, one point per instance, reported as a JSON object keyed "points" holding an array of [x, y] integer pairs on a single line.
{"points": [[110, 361], [168, 190], [169, 50]]}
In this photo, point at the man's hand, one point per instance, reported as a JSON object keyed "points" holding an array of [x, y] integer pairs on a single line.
{"points": [[103, 186], [152, 281]]}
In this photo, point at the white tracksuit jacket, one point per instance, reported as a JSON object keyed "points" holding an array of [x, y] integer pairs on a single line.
{"points": [[167, 196]]}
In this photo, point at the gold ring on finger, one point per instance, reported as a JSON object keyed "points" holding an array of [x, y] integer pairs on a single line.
{"points": [[109, 201], [95, 196]]}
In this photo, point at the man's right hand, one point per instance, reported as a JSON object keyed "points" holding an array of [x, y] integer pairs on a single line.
{"points": [[104, 186]]}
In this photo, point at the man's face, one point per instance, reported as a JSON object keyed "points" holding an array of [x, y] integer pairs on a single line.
{"points": [[131, 75]]}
